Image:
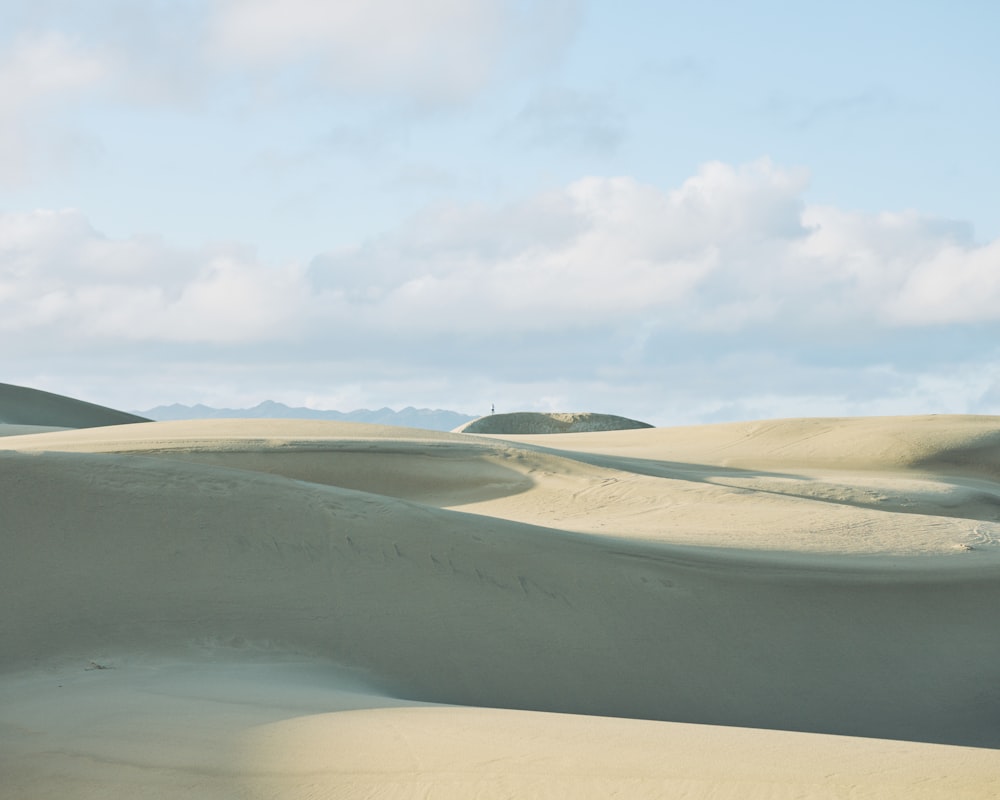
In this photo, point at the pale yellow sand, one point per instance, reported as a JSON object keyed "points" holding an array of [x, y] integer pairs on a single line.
{"points": [[808, 577], [299, 731], [900, 485]]}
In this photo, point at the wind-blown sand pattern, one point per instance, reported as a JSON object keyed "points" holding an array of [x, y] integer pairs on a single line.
{"points": [[297, 609]]}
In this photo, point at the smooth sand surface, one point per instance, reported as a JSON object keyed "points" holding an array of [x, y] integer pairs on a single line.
{"points": [[269, 729], [234, 608], [21, 405]]}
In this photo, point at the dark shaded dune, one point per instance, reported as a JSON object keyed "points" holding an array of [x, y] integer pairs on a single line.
{"points": [[966, 445], [108, 553], [530, 422], [20, 405], [26, 430], [977, 457]]}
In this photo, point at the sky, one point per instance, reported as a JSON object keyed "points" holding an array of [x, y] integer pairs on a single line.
{"points": [[679, 212]]}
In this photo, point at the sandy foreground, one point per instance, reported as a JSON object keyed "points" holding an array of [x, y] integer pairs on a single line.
{"points": [[298, 609]]}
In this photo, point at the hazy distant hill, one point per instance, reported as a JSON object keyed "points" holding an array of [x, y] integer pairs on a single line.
{"points": [[432, 419]]}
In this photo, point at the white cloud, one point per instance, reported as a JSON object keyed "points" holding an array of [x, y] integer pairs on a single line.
{"points": [[729, 290], [597, 252], [897, 269], [37, 68], [62, 281], [436, 50], [39, 75], [955, 285], [731, 250]]}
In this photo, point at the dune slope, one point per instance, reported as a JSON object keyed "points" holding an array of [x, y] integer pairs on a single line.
{"points": [[20, 405], [534, 422], [793, 587]]}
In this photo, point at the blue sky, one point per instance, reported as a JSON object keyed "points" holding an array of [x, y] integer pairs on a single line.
{"points": [[679, 212]]}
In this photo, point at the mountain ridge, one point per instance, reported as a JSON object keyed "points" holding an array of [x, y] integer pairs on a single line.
{"points": [[408, 417]]}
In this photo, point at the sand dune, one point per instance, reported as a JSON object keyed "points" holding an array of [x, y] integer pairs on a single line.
{"points": [[533, 422], [878, 494], [20, 405], [653, 612], [23, 430]]}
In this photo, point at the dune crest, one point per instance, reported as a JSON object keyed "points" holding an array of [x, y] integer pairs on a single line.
{"points": [[534, 422], [20, 405]]}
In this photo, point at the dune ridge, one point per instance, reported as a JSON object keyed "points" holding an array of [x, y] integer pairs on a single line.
{"points": [[875, 500], [20, 405], [749, 589], [536, 422]]}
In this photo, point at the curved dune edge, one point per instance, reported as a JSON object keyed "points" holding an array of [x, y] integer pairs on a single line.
{"points": [[25, 430], [901, 486], [272, 587], [500, 753], [958, 444], [20, 405], [182, 727], [151, 554], [534, 422]]}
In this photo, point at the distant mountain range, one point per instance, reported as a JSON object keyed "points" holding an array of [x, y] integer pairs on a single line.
{"points": [[409, 417]]}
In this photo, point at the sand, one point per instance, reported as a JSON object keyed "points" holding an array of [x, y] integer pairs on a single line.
{"points": [[20, 405], [534, 422], [299, 609]]}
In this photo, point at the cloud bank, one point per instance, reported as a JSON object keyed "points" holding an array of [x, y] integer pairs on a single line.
{"points": [[603, 282]]}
